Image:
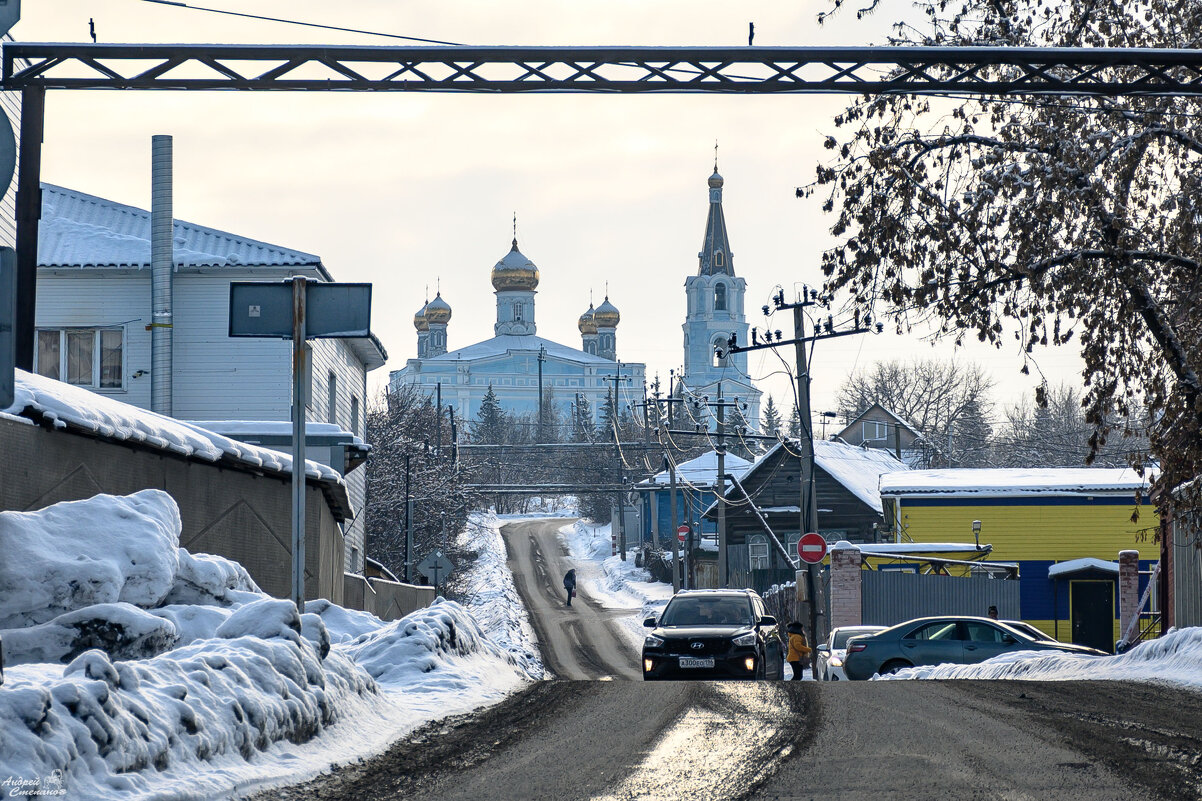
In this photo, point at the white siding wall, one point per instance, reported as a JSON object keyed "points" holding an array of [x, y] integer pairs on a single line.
{"points": [[104, 298], [209, 364]]}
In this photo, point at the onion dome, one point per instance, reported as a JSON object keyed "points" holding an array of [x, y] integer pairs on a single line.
{"points": [[420, 322], [606, 315], [514, 272], [438, 311], [587, 324], [715, 180]]}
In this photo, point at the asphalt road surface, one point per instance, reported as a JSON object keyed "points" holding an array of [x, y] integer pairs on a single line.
{"points": [[575, 740], [580, 641]]}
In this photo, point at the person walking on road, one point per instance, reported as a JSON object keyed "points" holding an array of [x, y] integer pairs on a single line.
{"points": [[799, 651], [569, 584]]}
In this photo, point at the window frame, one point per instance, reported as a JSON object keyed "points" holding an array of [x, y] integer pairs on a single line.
{"points": [[721, 294], [878, 427], [97, 334], [758, 561]]}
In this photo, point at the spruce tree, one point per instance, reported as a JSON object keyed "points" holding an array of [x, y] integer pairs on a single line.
{"points": [[771, 423], [490, 426]]}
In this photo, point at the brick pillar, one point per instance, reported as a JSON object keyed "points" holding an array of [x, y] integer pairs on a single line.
{"points": [[1128, 590], [845, 585]]}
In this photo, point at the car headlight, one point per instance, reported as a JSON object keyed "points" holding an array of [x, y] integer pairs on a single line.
{"points": [[836, 661], [745, 639], [652, 641]]}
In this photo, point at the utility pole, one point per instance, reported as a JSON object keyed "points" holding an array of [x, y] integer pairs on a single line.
{"points": [[676, 571], [621, 507], [809, 504], [542, 356], [720, 405], [438, 420], [408, 525]]}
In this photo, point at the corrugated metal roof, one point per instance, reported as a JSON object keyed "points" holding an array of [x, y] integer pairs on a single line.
{"points": [[85, 231], [1014, 482]]}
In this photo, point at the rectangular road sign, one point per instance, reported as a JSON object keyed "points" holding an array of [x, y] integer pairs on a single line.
{"points": [[8, 321], [264, 309]]}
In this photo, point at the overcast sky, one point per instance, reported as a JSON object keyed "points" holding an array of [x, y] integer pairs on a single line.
{"points": [[406, 190]]}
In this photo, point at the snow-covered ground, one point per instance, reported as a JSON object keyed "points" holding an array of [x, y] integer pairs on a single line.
{"points": [[208, 687], [614, 583], [1174, 658]]}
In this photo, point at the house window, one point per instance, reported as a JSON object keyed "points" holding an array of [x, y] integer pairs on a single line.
{"points": [[331, 398], [757, 551], [791, 540], [720, 294], [875, 430], [86, 357]]}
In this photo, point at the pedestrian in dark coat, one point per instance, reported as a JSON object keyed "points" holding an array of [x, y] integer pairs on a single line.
{"points": [[799, 650], [569, 584]]}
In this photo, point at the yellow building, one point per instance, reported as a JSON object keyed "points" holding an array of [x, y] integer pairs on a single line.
{"points": [[1077, 518]]}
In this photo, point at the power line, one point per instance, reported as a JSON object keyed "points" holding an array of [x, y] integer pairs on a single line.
{"points": [[299, 22]]}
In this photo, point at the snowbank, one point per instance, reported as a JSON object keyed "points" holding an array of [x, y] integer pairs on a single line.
{"points": [[490, 596], [246, 693], [1176, 658], [98, 551]]}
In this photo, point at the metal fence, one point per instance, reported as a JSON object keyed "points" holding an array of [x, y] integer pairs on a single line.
{"points": [[890, 597]]}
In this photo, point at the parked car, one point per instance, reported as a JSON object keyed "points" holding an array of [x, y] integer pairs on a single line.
{"points": [[832, 652], [939, 640], [1031, 631], [713, 634]]}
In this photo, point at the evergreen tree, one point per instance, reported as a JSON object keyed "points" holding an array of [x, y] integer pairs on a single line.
{"points": [[795, 424], [491, 426], [582, 416], [772, 422]]}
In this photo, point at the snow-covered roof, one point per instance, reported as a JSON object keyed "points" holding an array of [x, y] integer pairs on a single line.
{"points": [[500, 345], [919, 547], [76, 408], [1014, 482], [277, 428], [1079, 565], [82, 230], [703, 470]]}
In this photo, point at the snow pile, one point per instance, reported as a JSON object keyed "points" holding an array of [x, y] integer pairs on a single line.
{"points": [[216, 687], [63, 405], [612, 582], [490, 596], [128, 553], [1176, 657]]}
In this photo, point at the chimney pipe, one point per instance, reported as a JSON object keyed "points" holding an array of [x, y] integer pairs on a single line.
{"points": [[162, 262]]}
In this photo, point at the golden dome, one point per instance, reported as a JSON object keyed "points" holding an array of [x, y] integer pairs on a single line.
{"points": [[438, 311], [514, 272], [606, 315], [587, 324], [420, 322]]}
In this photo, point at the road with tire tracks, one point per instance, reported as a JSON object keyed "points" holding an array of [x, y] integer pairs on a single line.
{"points": [[565, 740]]}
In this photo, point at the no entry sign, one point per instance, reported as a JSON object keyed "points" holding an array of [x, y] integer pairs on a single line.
{"points": [[811, 548], [682, 532]]}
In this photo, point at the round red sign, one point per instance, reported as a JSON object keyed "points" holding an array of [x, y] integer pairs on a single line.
{"points": [[682, 532], [811, 548]]}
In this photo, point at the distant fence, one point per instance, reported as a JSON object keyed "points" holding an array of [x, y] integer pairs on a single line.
{"points": [[387, 600], [890, 597]]}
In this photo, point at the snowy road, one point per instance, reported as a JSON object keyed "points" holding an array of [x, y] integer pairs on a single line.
{"points": [[577, 642], [703, 741]]}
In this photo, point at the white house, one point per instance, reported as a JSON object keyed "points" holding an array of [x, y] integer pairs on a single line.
{"points": [[93, 330]]}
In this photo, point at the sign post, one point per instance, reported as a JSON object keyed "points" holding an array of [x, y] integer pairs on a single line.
{"points": [[436, 567], [8, 326], [299, 309]]}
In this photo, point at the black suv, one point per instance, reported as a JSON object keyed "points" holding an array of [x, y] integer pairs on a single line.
{"points": [[713, 634]]}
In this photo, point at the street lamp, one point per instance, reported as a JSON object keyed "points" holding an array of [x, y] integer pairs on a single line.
{"points": [[976, 533]]}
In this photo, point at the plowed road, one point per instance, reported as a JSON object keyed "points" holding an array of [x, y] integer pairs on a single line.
{"points": [[567, 740]]}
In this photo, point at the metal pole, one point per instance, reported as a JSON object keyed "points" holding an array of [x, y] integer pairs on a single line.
{"points": [[675, 525], [29, 213], [618, 459], [723, 562], [438, 419], [809, 508], [408, 524], [542, 353], [299, 402]]}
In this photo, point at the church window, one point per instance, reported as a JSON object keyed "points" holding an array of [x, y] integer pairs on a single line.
{"points": [[720, 361], [517, 312], [720, 297], [719, 259]]}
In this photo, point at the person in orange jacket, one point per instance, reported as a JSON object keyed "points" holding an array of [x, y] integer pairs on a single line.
{"points": [[799, 650]]}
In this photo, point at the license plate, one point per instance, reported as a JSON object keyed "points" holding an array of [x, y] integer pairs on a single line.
{"points": [[694, 662]]}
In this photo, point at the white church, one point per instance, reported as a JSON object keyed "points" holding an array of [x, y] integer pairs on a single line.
{"points": [[510, 361]]}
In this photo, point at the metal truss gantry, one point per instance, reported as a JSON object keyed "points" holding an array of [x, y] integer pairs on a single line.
{"points": [[751, 70]]}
